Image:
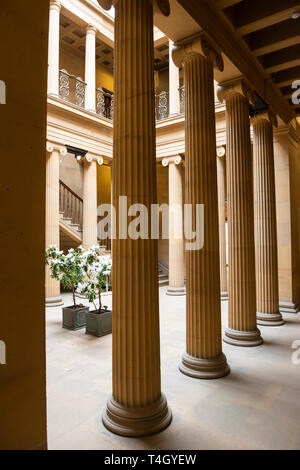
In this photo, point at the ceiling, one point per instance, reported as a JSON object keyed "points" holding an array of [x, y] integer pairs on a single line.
{"points": [[273, 36], [73, 36]]}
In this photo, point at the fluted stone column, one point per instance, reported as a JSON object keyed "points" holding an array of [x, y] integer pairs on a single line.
{"points": [[90, 69], [267, 295], [89, 228], [53, 297], [53, 48], [176, 250], [137, 406], [203, 357], [174, 101], [242, 329], [221, 171]]}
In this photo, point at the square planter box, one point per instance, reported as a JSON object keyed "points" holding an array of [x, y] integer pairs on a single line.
{"points": [[74, 319], [99, 324]]}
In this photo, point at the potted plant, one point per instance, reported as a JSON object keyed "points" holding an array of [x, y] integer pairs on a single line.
{"points": [[69, 271], [98, 269]]}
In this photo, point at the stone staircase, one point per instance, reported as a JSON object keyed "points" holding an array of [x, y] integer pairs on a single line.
{"points": [[70, 225]]}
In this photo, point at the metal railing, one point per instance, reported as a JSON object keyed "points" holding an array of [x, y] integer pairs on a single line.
{"points": [[71, 88], [104, 103], [70, 203]]}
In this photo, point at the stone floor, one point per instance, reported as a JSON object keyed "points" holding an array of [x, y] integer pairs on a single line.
{"points": [[257, 406]]}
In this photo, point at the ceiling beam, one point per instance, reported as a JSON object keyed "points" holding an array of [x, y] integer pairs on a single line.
{"points": [[215, 23], [267, 21], [277, 46], [283, 66], [222, 4]]}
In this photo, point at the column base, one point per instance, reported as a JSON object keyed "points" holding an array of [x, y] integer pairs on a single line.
{"points": [[204, 368], [269, 319], [54, 302], [224, 295], [289, 307], [243, 338], [176, 291], [139, 421]]}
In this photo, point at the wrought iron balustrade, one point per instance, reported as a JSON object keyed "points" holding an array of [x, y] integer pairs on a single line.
{"points": [[105, 103], [71, 88]]}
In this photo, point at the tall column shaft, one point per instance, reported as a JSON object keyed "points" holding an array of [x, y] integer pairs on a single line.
{"points": [[90, 236], [90, 69], [221, 171], [53, 298], [204, 357], [267, 295], [242, 329], [53, 48], [174, 100], [176, 248], [137, 406]]}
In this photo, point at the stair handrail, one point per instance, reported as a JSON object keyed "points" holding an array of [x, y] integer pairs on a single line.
{"points": [[70, 203]]}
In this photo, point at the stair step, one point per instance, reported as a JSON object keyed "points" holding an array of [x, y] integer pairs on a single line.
{"points": [[163, 282]]}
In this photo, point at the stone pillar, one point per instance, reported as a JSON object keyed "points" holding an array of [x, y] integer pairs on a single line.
{"points": [[242, 328], [90, 69], [286, 150], [221, 171], [174, 100], [137, 406], [203, 358], [89, 229], [53, 297], [267, 296], [53, 48], [176, 252]]}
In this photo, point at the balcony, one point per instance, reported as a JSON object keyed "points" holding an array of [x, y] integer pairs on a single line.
{"points": [[72, 90]]}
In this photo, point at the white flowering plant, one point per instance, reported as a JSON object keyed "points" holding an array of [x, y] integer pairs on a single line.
{"points": [[98, 269], [68, 269]]}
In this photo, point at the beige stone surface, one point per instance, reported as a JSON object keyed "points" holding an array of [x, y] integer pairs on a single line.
{"points": [[255, 407], [222, 197], [242, 330], [266, 263], [203, 357], [137, 406]]}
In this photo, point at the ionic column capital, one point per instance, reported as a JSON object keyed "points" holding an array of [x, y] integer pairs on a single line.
{"points": [[177, 160], [266, 115], [200, 46], [50, 147], [161, 6], [90, 158], [55, 4], [236, 87], [221, 152], [90, 29]]}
